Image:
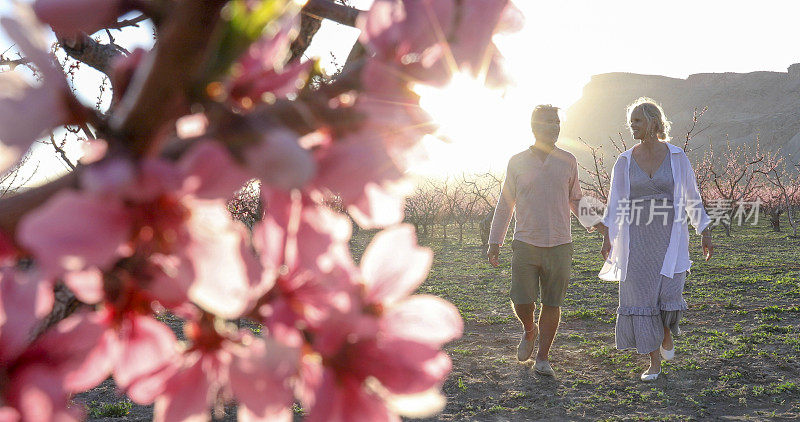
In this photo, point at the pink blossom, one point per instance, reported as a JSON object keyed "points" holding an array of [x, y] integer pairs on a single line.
{"points": [[360, 170], [279, 160], [479, 19], [33, 395], [72, 16], [79, 353], [408, 31], [393, 338], [75, 231], [271, 51], [262, 69], [26, 111], [250, 88], [24, 299], [27, 391], [159, 210], [304, 247], [255, 371]]}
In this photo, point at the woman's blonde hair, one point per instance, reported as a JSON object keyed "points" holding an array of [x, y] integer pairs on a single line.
{"points": [[653, 114]]}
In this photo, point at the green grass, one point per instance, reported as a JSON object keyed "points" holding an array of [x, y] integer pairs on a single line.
{"points": [[740, 336], [109, 410]]}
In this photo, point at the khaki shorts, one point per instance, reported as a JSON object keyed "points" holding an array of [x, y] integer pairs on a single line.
{"points": [[536, 270]]}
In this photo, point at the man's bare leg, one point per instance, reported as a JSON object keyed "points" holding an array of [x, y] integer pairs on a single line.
{"points": [[525, 315], [549, 318]]}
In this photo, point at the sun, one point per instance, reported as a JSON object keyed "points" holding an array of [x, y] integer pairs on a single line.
{"points": [[479, 128]]}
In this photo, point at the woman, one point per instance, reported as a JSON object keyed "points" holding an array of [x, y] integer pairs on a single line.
{"points": [[646, 236]]}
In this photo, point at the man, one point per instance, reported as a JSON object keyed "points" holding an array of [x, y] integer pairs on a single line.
{"points": [[542, 184]]}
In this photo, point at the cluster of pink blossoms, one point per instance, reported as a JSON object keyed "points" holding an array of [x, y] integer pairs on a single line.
{"points": [[141, 234]]}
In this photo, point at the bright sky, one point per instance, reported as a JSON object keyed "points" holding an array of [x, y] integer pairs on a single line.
{"points": [[565, 42], [551, 59]]}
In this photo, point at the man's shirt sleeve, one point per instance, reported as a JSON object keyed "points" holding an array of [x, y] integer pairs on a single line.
{"points": [[505, 207]]}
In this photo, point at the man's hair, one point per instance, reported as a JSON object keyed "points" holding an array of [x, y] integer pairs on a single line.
{"points": [[542, 108]]}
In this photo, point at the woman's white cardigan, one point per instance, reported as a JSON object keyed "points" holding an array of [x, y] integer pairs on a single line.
{"points": [[686, 200]]}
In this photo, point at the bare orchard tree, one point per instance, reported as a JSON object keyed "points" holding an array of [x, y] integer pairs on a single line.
{"points": [[445, 189], [771, 205], [785, 183], [464, 204], [598, 180], [733, 180], [485, 188], [422, 207]]}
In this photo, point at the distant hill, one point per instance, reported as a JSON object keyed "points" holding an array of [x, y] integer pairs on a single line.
{"points": [[740, 107]]}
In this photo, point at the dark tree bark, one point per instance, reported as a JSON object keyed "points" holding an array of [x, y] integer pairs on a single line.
{"points": [[309, 26], [311, 20], [90, 52]]}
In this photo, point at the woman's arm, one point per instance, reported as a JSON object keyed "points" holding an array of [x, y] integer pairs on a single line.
{"points": [[693, 202], [612, 206], [696, 211]]}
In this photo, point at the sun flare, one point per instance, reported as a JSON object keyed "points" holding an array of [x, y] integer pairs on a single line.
{"points": [[479, 128]]}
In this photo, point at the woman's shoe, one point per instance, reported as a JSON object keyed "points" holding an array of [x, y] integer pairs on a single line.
{"points": [[650, 377], [667, 354]]}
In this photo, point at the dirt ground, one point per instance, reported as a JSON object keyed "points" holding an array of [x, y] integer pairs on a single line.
{"points": [[738, 357]]}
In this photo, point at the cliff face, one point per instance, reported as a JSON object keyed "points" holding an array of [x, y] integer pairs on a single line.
{"points": [[741, 106]]}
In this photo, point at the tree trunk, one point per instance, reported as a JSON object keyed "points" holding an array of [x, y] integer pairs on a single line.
{"points": [[461, 234], [775, 221], [64, 304]]}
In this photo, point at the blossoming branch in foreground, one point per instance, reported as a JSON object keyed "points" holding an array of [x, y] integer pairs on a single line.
{"points": [[145, 233]]}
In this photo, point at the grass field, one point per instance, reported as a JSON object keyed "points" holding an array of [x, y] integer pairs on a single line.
{"points": [[738, 357]]}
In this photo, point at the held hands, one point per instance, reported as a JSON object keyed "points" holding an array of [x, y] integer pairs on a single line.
{"points": [[605, 250], [493, 254]]}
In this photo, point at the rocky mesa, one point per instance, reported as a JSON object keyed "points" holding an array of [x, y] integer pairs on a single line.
{"points": [[741, 107]]}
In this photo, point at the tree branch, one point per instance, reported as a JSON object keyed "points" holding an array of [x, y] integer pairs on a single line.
{"points": [[325, 9], [13, 62], [169, 71], [84, 49]]}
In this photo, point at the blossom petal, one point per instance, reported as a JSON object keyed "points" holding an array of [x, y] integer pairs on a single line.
{"points": [[83, 348], [424, 319], [25, 111], [393, 265], [186, 396], [280, 161], [73, 16], [147, 348], [87, 285], [23, 300], [259, 378], [34, 394], [211, 172], [227, 275], [74, 231], [347, 400], [405, 367], [376, 208]]}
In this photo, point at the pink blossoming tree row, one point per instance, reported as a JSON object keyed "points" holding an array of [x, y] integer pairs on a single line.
{"points": [[141, 226]]}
